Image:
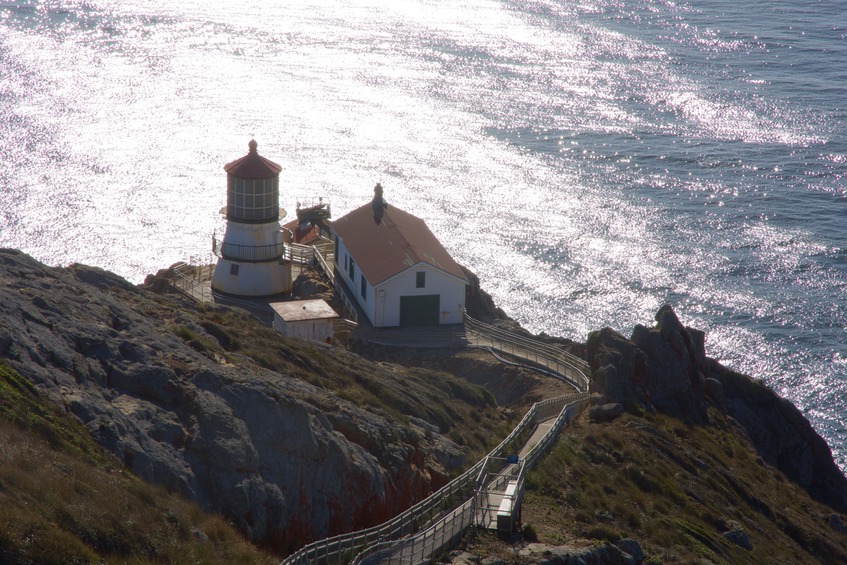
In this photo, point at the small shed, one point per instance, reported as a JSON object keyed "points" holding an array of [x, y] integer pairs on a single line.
{"points": [[306, 319]]}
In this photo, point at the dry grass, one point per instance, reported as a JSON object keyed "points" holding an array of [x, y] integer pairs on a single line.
{"points": [[675, 489], [397, 391], [63, 501]]}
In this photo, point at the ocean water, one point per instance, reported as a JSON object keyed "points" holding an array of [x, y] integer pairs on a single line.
{"points": [[590, 160]]}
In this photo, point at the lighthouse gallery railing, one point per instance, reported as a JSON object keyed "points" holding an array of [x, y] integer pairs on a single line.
{"points": [[248, 253]]}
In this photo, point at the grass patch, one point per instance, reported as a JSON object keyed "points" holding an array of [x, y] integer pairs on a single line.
{"points": [[674, 488]]}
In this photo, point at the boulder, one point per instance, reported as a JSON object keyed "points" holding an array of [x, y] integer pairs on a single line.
{"points": [[676, 365], [605, 412], [738, 536], [619, 368], [631, 548], [661, 368]]}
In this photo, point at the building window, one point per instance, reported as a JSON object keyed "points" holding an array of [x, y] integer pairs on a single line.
{"points": [[233, 269], [364, 289], [347, 263], [352, 271], [420, 281]]}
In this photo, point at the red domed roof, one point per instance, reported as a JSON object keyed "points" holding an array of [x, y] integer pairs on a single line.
{"points": [[252, 165]]}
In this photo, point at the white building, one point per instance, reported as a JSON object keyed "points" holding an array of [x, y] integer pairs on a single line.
{"points": [[398, 271], [251, 255], [306, 319]]}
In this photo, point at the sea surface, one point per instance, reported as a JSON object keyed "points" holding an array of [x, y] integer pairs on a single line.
{"points": [[590, 160]]}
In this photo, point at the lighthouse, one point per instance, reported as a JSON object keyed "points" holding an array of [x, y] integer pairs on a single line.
{"points": [[250, 260]]}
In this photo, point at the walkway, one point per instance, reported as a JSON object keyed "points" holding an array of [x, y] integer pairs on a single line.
{"points": [[499, 480], [542, 430], [490, 493]]}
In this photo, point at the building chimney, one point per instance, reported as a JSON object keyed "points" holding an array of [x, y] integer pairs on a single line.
{"points": [[378, 204]]}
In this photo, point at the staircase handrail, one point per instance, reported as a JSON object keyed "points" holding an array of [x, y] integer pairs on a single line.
{"points": [[396, 528], [578, 401], [410, 522], [572, 368], [481, 327]]}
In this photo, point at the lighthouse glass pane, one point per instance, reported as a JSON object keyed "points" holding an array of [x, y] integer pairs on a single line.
{"points": [[230, 196], [249, 191], [253, 199]]}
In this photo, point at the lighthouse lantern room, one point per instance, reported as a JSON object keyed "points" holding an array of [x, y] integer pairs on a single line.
{"points": [[251, 256]]}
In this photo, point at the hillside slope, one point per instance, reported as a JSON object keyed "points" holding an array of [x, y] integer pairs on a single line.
{"points": [[291, 441], [679, 460], [64, 500], [288, 440]]}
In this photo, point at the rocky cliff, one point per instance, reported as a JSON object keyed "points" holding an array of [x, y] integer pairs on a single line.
{"points": [[293, 442], [678, 460], [665, 368], [183, 402]]}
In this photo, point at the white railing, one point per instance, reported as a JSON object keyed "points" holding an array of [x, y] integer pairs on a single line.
{"points": [[327, 266], [247, 253], [445, 533], [340, 549], [300, 254], [492, 492], [192, 282], [344, 325], [450, 510], [568, 413], [435, 539], [305, 254], [326, 261], [572, 368]]}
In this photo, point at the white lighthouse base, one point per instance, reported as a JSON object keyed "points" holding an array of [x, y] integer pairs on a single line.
{"points": [[251, 279]]}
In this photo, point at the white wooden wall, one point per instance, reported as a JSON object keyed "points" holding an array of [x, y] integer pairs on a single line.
{"points": [[382, 304], [450, 288]]}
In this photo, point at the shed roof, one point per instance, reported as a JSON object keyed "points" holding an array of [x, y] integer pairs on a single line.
{"points": [[252, 165], [301, 310], [398, 242]]}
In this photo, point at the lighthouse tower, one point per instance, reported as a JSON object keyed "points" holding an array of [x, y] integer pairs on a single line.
{"points": [[251, 254]]}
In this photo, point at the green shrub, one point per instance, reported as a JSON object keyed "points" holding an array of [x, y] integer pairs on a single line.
{"points": [[529, 533]]}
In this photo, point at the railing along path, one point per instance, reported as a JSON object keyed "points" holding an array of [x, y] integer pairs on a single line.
{"points": [[439, 521]]}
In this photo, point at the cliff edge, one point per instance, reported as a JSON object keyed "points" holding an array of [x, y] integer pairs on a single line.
{"points": [[288, 440], [665, 369]]}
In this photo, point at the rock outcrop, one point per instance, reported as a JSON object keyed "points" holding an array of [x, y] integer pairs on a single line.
{"points": [[624, 552], [665, 368], [479, 303], [284, 460]]}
